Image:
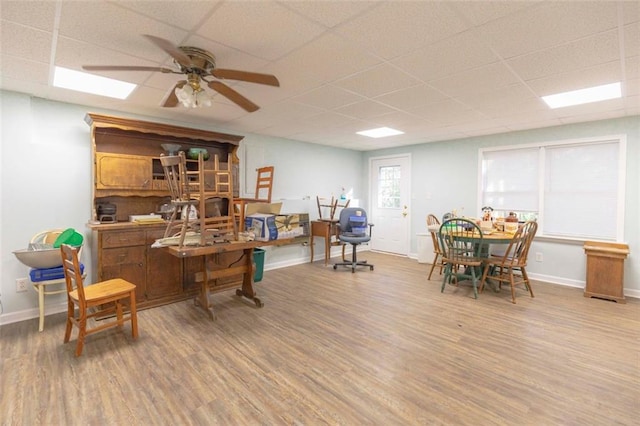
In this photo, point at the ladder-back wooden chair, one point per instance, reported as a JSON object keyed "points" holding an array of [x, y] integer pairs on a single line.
{"points": [[96, 300], [432, 222], [510, 267], [175, 174], [264, 187], [211, 184]]}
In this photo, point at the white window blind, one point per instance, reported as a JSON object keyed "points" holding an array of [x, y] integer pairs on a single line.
{"points": [[581, 190], [510, 179], [575, 188]]}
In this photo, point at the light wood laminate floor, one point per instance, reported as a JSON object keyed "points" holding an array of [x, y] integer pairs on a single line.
{"points": [[332, 347]]}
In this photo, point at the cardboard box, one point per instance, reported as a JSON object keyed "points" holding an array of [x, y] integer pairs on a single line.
{"points": [[263, 225], [292, 225]]}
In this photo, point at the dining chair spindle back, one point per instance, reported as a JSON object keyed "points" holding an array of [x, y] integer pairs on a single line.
{"points": [[461, 242], [511, 266]]}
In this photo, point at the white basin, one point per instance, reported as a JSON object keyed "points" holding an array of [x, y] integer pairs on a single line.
{"points": [[40, 259]]}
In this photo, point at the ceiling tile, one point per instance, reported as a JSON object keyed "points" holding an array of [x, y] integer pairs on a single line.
{"points": [[568, 57], [609, 72], [192, 12], [123, 32], [453, 55], [26, 42], [326, 59], [328, 97], [242, 25], [411, 97], [479, 12], [364, 110], [632, 39], [548, 24], [478, 80], [378, 81], [389, 30], [35, 14], [328, 13]]}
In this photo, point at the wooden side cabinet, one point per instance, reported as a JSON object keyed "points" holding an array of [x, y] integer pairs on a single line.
{"points": [[605, 270], [127, 253]]}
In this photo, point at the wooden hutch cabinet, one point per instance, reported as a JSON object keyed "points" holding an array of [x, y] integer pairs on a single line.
{"points": [[127, 173]]}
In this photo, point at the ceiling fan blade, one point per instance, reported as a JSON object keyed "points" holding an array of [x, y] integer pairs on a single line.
{"points": [[126, 68], [233, 96], [251, 77], [171, 49], [172, 100]]}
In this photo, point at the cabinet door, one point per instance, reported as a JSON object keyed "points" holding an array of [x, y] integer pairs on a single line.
{"points": [[164, 271], [127, 263], [119, 171]]}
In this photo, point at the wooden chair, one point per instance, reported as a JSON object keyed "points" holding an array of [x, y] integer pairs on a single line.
{"points": [[461, 242], [329, 207], [211, 184], [175, 174], [510, 267], [433, 221], [264, 187], [103, 299]]}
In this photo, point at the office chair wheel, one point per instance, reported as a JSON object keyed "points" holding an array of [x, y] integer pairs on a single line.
{"points": [[335, 266], [258, 302], [371, 268]]}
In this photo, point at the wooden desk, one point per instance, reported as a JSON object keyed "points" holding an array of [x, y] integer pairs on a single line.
{"points": [[243, 265], [325, 229]]}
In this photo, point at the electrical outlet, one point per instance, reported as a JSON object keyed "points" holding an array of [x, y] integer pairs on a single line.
{"points": [[21, 285], [538, 257]]}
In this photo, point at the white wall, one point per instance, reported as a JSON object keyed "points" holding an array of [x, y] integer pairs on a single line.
{"points": [[46, 183], [444, 177], [45, 158]]}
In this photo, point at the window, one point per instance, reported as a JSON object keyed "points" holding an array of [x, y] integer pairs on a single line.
{"points": [[389, 187], [575, 189]]}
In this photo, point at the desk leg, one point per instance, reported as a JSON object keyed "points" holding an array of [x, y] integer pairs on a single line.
{"points": [[311, 245], [327, 249], [202, 298], [247, 280]]}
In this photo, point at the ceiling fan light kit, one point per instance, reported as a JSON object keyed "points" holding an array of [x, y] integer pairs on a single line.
{"points": [[198, 65]]}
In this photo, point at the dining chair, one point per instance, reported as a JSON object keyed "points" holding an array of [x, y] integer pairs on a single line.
{"points": [[432, 222], [98, 300], [264, 187], [175, 174], [511, 266], [461, 241]]}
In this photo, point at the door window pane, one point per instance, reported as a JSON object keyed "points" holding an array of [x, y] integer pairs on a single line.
{"points": [[389, 187]]}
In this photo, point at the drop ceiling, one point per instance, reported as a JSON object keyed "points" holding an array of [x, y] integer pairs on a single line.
{"points": [[434, 70]]}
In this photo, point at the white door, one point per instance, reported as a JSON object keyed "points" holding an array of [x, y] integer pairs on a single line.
{"points": [[390, 181]]}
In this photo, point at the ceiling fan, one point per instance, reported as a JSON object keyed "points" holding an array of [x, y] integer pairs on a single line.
{"points": [[198, 65]]}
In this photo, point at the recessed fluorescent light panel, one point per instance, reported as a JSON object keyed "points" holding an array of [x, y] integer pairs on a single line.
{"points": [[584, 96], [380, 132], [89, 83]]}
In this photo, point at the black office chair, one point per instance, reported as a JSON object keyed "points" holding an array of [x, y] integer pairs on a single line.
{"points": [[355, 230]]}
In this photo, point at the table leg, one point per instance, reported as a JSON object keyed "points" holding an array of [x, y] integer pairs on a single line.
{"points": [[247, 280], [327, 248], [311, 244], [202, 298]]}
